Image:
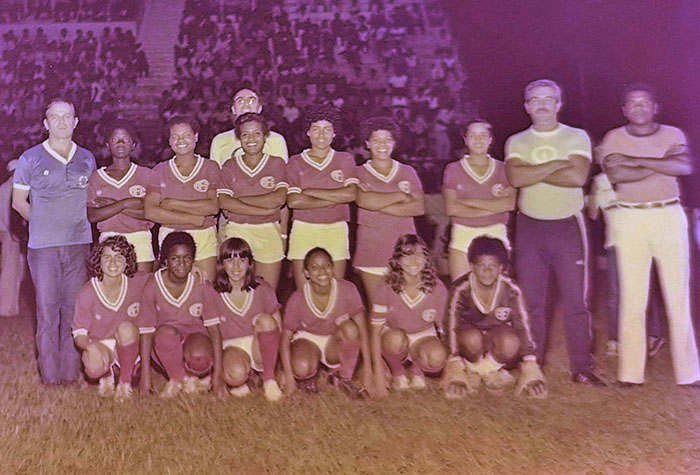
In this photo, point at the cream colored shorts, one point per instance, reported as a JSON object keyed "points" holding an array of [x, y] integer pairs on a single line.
{"points": [[333, 237], [265, 240]]}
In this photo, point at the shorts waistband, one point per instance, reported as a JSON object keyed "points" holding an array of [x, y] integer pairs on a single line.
{"points": [[648, 205]]}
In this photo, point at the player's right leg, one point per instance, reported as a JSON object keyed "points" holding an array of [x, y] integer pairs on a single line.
{"points": [[305, 358], [395, 351]]}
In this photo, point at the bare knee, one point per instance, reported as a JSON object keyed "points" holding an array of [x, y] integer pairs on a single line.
{"points": [[348, 331], [236, 367], [470, 343], [127, 333], [198, 345], [97, 359], [394, 341], [504, 345], [305, 358], [432, 354], [265, 323]]}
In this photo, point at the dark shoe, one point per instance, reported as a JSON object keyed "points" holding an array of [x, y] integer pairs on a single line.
{"points": [[627, 385], [308, 385], [346, 386], [255, 379], [588, 377], [654, 345]]}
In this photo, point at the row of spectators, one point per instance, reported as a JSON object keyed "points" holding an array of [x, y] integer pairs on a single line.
{"points": [[96, 71], [61, 11]]}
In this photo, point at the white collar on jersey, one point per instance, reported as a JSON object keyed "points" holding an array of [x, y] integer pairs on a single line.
{"points": [[254, 171], [113, 306], [175, 302], [182, 178], [385, 178], [247, 303], [316, 165], [485, 308], [331, 300], [470, 171], [412, 302], [102, 172], [58, 156]]}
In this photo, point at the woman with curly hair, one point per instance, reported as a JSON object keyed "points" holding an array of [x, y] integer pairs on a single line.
{"points": [[406, 316], [250, 320], [104, 327], [389, 195], [254, 189]]}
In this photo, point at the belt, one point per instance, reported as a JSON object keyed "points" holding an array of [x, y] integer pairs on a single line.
{"points": [[649, 205]]}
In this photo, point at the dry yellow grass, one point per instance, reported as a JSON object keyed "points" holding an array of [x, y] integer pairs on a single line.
{"points": [[655, 429]]}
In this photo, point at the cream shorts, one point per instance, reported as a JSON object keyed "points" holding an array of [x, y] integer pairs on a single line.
{"points": [[245, 343], [319, 340], [333, 237], [265, 240]]}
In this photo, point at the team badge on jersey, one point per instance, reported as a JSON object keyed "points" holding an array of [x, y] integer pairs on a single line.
{"points": [[137, 191], [429, 314], [498, 190], [82, 181], [338, 176], [202, 185], [543, 154], [405, 186], [267, 182], [502, 313], [196, 310], [133, 310]]}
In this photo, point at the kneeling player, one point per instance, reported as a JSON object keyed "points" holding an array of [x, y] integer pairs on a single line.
{"points": [[488, 328], [250, 320], [176, 313], [324, 322], [104, 322], [405, 312]]}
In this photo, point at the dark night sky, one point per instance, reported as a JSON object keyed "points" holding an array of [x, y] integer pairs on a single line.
{"points": [[591, 47]]}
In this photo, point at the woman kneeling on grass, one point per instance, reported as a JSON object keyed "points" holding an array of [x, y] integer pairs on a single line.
{"points": [[179, 311], [250, 320], [324, 322], [103, 324], [405, 312], [488, 328]]}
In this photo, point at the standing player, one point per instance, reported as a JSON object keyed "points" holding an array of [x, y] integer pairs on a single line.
{"points": [[407, 313], [104, 325], [181, 193], [324, 322], [254, 187], [250, 320], [116, 194], [50, 191], [477, 195], [389, 195], [176, 314], [643, 158], [488, 326], [322, 183], [549, 163]]}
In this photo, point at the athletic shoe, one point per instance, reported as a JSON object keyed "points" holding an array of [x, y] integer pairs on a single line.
{"points": [[171, 389], [308, 385], [611, 348], [418, 382], [123, 392], [590, 378], [190, 385], [654, 344], [345, 386], [204, 384], [241, 391], [496, 381], [401, 383], [106, 388], [272, 390]]}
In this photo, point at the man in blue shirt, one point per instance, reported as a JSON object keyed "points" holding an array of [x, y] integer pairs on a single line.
{"points": [[50, 192]]}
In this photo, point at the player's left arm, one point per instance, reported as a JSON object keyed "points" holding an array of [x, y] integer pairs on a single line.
{"points": [[573, 176], [272, 200], [414, 205], [494, 205], [20, 202], [342, 195], [208, 206]]}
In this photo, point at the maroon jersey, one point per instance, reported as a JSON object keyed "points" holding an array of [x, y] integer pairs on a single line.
{"points": [[459, 176], [411, 315], [336, 171], [97, 317], [132, 185], [506, 308], [167, 180], [300, 313], [239, 180], [238, 321], [401, 178], [193, 310]]}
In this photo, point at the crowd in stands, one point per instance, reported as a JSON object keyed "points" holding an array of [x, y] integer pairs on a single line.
{"points": [[96, 70], [362, 60], [15, 11]]}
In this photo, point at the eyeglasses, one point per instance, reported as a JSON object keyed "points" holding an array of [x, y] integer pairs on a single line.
{"points": [[548, 100]]}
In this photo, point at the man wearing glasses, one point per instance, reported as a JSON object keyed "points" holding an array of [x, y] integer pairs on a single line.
{"points": [[549, 163]]}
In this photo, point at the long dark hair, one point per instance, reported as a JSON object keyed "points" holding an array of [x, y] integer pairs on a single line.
{"points": [[407, 245]]}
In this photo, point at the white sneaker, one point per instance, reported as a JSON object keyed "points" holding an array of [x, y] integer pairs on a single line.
{"points": [[241, 391], [611, 348], [272, 391], [418, 382], [204, 384], [106, 388], [401, 383], [123, 392], [190, 385], [497, 381], [171, 389]]}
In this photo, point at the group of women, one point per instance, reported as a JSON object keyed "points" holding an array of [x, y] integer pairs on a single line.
{"points": [[207, 315]]}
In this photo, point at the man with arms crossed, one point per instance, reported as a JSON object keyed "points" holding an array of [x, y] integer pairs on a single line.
{"points": [[643, 159], [549, 163], [50, 191]]}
